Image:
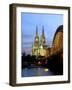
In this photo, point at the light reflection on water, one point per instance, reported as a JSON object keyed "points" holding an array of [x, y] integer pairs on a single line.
{"points": [[28, 72]]}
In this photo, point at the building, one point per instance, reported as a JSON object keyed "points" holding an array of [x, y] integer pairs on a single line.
{"points": [[39, 47]]}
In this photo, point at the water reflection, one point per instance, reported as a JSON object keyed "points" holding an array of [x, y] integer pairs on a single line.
{"points": [[28, 72]]}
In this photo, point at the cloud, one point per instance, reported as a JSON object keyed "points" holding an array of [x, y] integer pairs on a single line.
{"points": [[27, 36], [27, 43]]}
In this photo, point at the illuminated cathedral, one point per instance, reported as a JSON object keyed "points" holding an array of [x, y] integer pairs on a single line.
{"points": [[39, 47]]}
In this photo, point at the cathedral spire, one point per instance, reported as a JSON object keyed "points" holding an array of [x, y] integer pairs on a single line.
{"points": [[43, 31], [42, 38], [36, 37], [36, 31]]}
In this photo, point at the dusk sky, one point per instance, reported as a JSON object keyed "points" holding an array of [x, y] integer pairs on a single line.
{"points": [[29, 21]]}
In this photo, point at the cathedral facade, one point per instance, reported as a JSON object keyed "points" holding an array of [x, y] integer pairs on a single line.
{"points": [[39, 47]]}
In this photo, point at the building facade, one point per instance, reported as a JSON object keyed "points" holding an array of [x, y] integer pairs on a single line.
{"points": [[39, 47]]}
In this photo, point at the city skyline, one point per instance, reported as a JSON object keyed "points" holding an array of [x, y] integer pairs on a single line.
{"points": [[29, 21]]}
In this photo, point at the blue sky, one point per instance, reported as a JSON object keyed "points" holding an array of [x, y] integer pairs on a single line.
{"points": [[29, 21]]}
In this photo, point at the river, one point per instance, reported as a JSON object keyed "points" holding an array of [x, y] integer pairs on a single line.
{"points": [[28, 72]]}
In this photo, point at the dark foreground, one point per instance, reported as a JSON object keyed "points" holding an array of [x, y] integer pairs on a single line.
{"points": [[32, 66]]}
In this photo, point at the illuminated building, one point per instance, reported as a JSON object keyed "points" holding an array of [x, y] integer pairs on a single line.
{"points": [[39, 47]]}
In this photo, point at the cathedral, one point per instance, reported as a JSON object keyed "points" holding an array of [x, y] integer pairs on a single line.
{"points": [[39, 47]]}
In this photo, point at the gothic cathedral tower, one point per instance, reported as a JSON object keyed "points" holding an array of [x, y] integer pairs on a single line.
{"points": [[35, 47], [42, 38], [38, 48], [42, 48], [36, 41]]}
